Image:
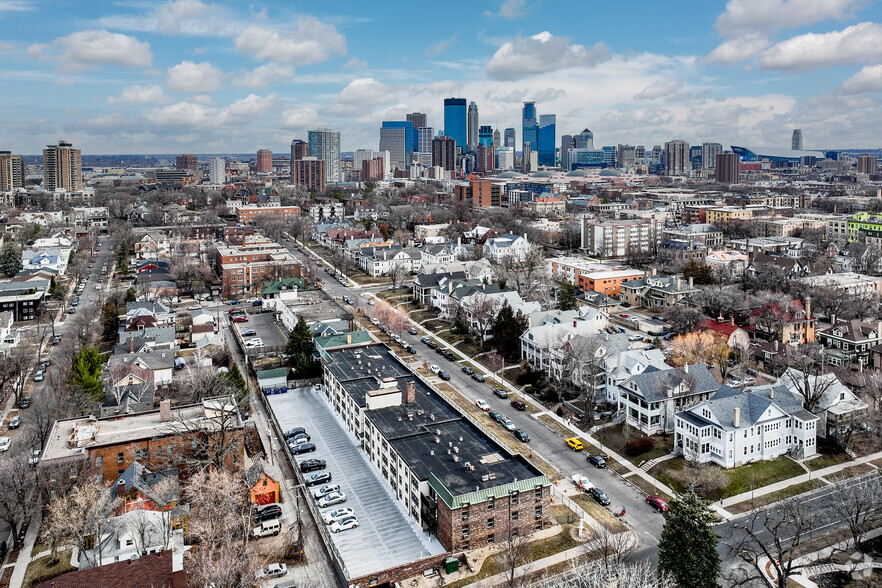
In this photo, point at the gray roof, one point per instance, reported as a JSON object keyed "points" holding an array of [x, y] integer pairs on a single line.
{"points": [[432, 280], [654, 383], [752, 404]]}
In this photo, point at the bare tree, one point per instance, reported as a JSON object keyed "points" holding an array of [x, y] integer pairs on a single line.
{"points": [[526, 273], [480, 310], [613, 548], [856, 501], [587, 574], [398, 274], [18, 491], [583, 366], [805, 371], [81, 517], [217, 439]]}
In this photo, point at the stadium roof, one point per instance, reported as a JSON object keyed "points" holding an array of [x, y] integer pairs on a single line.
{"points": [[772, 154]]}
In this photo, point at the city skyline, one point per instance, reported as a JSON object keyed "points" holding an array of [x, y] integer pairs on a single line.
{"points": [[213, 77]]}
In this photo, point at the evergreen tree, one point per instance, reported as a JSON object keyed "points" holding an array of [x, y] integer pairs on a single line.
{"points": [[506, 330], [10, 259], [566, 297], [86, 373], [700, 274], [110, 320], [299, 340], [688, 546], [131, 295]]}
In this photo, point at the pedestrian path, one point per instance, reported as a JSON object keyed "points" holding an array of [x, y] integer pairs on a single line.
{"points": [[25, 555]]}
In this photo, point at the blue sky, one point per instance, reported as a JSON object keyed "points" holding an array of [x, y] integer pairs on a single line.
{"points": [[202, 76]]}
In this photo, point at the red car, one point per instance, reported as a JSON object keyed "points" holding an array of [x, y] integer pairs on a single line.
{"points": [[240, 319], [623, 315], [657, 503]]}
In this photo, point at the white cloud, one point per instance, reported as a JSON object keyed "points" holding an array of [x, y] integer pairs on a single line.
{"points": [[853, 44], [138, 94], [869, 79], [191, 18], [111, 120], [312, 41], [359, 94], [85, 50], [744, 17], [738, 49], [250, 108], [441, 45], [263, 75], [4, 46], [194, 78], [16, 6], [182, 114], [512, 9], [299, 118], [354, 63], [195, 115], [660, 89], [526, 56]]}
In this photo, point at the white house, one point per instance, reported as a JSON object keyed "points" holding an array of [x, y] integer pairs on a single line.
{"points": [[53, 258], [498, 248], [541, 345], [131, 535], [621, 366], [481, 306], [382, 262], [733, 428], [43, 219], [152, 244], [835, 405]]}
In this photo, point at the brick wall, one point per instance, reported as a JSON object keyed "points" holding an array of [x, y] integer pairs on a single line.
{"points": [[400, 573]]}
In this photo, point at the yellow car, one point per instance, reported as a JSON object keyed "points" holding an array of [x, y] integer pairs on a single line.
{"points": [[575, 444]]}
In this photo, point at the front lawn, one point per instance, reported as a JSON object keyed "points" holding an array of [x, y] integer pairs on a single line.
{"points": [[767, 499], [617, 436], [714, 482], [40, 571]]}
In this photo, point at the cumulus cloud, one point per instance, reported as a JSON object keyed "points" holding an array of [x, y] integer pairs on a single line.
{"points": [[355, 63], [191, 114], [358, 94], [743, 17], [138, 94], [260, 77], [85, 50], [512, 9], [312, 41], [4, 46], [660, 89], [192, 18], [194, 78], [738, 49], [441, 45], [250, 108], [181, 114], [853, 44], [869, 79], [299, 118], [542, 53]]}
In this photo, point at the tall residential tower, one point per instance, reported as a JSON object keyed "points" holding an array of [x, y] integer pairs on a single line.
{"points": [[325, 145]]}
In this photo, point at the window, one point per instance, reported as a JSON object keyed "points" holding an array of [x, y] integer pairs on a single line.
{"points": [[120, 457], [465, 531], [539, 512], [538, 494], [491, 539], [99, 461], [514, 515], [490, 503], [490, 522], [514, 498], [465, 514]]}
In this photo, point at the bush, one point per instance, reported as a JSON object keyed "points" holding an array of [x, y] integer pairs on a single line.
{"points": [[638, 446]]}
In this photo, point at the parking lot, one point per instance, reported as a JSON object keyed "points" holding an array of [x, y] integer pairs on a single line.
{"points": [[386, 536], [264, 326]]}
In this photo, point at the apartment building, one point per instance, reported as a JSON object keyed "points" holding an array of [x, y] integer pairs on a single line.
{"points": [[455, 481], [723, 216], [248, 214], [591, 276], [616, 238], [734, 428], [657, 291], [244, 269]]}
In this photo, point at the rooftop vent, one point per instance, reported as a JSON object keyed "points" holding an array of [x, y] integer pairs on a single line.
{"points": [[437, 431], [468, 465], [492, 476], [437, 440], [431, 452], [460, 438], [485, 477], [456, 449], [456, 459]]}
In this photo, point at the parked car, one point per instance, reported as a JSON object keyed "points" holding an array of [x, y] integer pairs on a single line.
{"points": [[624, 316], [249, 333], [331, 499], [467, 370], [598, 495], [443, 375], [495, 415], [482, 404], [432, 345], [521, 435], [519, 405], [597, 461], [337, 514], [625, 305], [38, 377], [233, 302], [24, 402], [273, 511], [657, 503], [240, 318], [500, 393], [411, 349], [194, 307], [319, 478], [424, 340], [658, 317], [310, 465], [449, 356], [506, 422], [15, 422], [253, 299], [478, 377], [267, 529], [343, 524], [299, 438], [256, 342], [273, 570], [326, 489], [575, 444], [294, 432], [412, 331], [72, 310], [5, 442], [434, 368], [302, 448]]}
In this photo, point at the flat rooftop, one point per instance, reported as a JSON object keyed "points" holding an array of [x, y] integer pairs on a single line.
{"points": [[429, 433]]}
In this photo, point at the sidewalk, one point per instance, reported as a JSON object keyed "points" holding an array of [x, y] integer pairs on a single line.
{"points": [[24, 556]]}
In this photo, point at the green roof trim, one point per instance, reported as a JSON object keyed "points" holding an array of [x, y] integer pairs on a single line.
{"points": [[286, 284], [478, 496], [274, 373], [334, 341]]}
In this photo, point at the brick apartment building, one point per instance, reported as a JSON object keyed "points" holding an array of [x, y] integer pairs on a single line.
{"points": [[480, 193], [455, 481], [309, 172], [106, 447], [247, 214], [245, 268]]}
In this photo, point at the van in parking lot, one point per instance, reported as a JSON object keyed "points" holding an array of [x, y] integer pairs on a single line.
{"points": [[267, 529]]}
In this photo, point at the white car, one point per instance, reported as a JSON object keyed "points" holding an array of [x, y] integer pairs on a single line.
{"points": [[325, 490], [98, 287], [506, 422], [4, 443], [34, 459], [434, 368], [273, 570], [482, 404], [343, 524], [194, 307], [375, 321], [331, 499], [256, 342], [252, 300], [337, 514]]}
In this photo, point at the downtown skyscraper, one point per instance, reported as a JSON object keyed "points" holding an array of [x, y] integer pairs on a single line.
{"points": [[455, 121], [472, 120], [546, 137], [325, 145], [529, 126]]}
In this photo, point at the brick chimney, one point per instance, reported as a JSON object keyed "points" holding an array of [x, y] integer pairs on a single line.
{"points": [[348, 338], [808, 307], [121, 488], [410, 392], [165, 410]]}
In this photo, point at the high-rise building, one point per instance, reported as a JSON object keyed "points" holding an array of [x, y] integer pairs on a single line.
{"points": [[362, 155], [676, 157], [455, 121], [640, 152], [485, 135], [299, 149], [486, 160], [472, 122], [510, 138], [187, 161], [217, 172], [546, 137], [418, 119], [727, 168], [309, 172], [62, 167], [529, 126], [505, 158], [625, 156], [584, 140], [796, 140], [12, 171], [566, 143], [709, 152], [657, 153], [609, 155], [264, 161], [444, 152], [424, 136], [497, 139], [396, 137], [325, 144], [527, 158], [866, 164], [694, 157], [373, 170]]}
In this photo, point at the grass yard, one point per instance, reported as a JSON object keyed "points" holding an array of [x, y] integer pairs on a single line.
{"points": [[599, 513], [40, 571], [715, 482], [560, 429], [394, 295], [772, 497], [617, 436], [826, 460], [850, 472], [647, 487]]}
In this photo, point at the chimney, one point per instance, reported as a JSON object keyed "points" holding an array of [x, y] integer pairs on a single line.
{"points": [[736, 417], [686, 368], [348, 338], [574, 324], [678, 282], [879, 329], [772, 392], [410, 392], [808, 307], [776, 345], [690, 281], [132, 345], [121, 488], [732, 320], [165, 410]]}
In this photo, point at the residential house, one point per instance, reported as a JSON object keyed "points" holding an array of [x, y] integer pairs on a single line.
{"points": [[152, 245], [834, 404], [141, 489], [142, 322], [424, 283], [543, 343], [851, 283], [651, 399], [157, 570], [9, 337], [440, 253], [734, 428], [734, 336], [656, 291], [507, 246], [481, 304], [787, 322], [23, 298], [791, 268], [283, 290], [708, 235], [729, 263], [264, 489], [129, 536], [383, 263], [849, 342], [680, 252], [50, 258], [620, 366], [324, 211]]}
